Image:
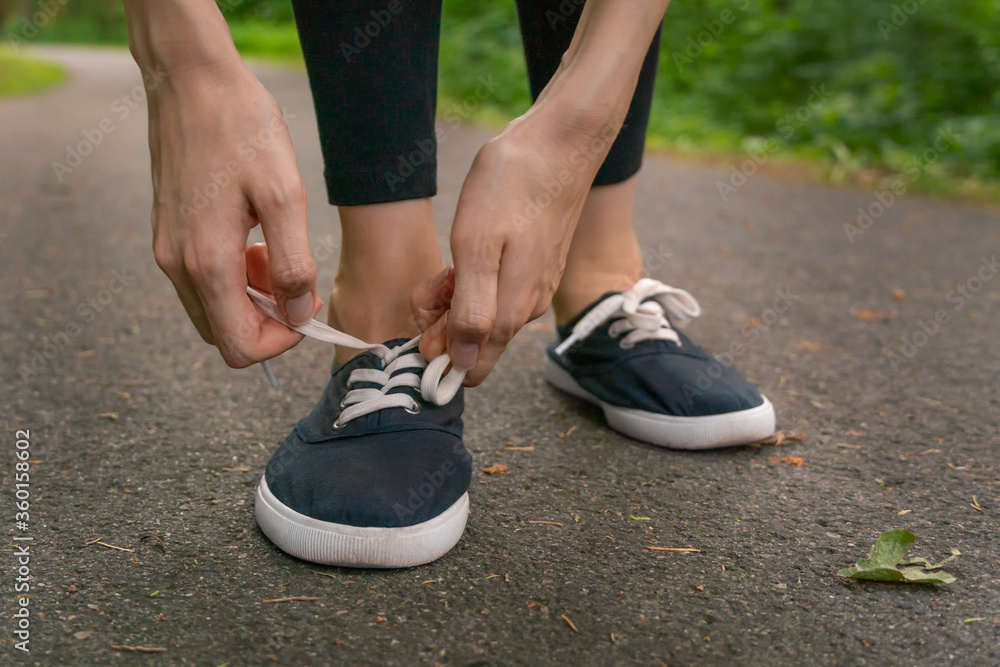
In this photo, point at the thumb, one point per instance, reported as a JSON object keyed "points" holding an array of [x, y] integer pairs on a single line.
{"points": [[282, 214], [473, 312]]}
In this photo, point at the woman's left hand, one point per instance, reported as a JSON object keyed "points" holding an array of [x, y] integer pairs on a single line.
{"points": [[515, 220]]}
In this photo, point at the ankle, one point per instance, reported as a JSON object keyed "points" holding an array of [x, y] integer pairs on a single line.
{"points": [[388, 249], [580, 289], [373, 313]]}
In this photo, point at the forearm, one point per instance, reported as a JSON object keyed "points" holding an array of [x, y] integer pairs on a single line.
{"points": [[179, 36], [594, 84]]}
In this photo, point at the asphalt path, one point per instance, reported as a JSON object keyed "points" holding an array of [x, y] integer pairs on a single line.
{"points": [[143, 439]]}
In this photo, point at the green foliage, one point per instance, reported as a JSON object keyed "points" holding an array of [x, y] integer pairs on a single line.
{"points": [[889, 552], [275, 41], [861, 84], [20, 75]]}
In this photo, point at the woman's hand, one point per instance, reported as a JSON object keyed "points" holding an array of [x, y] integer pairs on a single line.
{"points": [[515, 219], [222, 163]]}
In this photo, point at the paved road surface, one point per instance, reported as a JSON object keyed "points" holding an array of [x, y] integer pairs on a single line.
{"points": [[170, 476]]}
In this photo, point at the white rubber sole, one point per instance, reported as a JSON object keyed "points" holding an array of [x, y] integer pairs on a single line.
{"points": [[710, 432], [353, 546]]}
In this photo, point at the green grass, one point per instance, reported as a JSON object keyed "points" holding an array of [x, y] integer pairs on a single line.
{"points": [[20, 75], [278, 43]]}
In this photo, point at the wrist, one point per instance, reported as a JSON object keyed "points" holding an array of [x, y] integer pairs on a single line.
{"points": [[181, 40]]}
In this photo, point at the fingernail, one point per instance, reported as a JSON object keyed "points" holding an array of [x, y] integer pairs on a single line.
{"points": [[300, 309], [464, 355]]}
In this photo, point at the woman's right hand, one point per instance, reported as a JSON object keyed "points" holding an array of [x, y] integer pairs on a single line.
{"points": [[222, 163]]}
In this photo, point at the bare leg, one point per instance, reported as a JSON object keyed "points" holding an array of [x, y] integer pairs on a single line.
{"points": [[387, 250], [604, 255]]}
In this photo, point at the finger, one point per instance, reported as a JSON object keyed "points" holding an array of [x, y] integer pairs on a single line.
{"points": [[474, 304], [188, 295], [488, 358], [243, 334], [172, 265], [431, 299], [514, 305], [258, 273], [281, 208], [434, 342]]}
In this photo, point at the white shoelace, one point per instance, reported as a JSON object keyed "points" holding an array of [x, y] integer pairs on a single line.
{"points": [[642, 319], [359, 402]]}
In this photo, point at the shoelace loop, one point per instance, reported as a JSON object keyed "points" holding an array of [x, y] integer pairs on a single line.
{"points": [[642, 311], [432, 386]]}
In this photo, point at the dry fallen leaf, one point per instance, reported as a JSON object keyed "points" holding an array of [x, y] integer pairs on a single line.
{"points": [[498, 469], [113, 416], [796, 461], [898, 294], [778, 438], [809, 346], [865, 314]]}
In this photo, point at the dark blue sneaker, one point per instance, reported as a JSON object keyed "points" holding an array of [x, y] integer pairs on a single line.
{"points": [[377, 475], [651, 381]]}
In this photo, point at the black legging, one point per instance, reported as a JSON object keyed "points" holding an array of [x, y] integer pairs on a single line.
{"points": [[373, 72]]}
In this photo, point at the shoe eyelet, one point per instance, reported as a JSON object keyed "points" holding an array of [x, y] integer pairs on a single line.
{"points": [[415, 409], [337, 425]]}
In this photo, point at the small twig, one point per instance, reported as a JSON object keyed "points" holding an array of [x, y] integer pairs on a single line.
{"points": [[569, 622], [673, 549], [548, 523], [237, 469], [138, 649], [324, 574], [110, 546], [291, 599]]}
